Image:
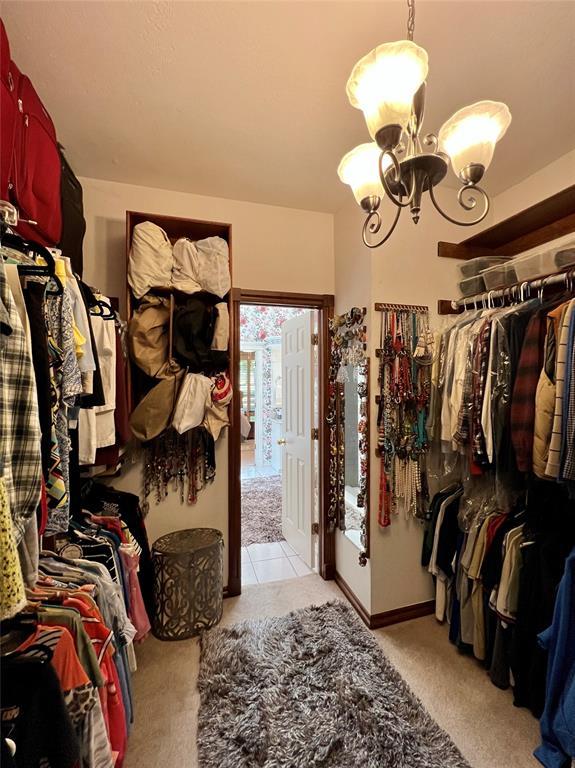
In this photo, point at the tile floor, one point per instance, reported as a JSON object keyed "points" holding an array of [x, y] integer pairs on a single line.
{"points": [[253, 471], [262, 563]]}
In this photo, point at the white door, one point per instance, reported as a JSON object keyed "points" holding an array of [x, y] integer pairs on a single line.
{"points": [[297, 461]]}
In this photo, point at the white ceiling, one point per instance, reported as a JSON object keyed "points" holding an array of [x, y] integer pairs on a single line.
{"points": [[247, 100]]}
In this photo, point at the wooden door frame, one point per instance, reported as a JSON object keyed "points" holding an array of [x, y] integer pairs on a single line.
{"points": [[324, 303]]}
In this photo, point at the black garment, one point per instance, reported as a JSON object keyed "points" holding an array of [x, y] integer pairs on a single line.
{"points": [[97, 397], [455, 618], [35, 717], [499, 668], [105, 500], [194, 325], [73, 222], [431, 523], [34, 300], [448, 537], [551, 527]]}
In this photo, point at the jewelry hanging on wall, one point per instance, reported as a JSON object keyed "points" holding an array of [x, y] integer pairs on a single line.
{"points": [[405, 357]]}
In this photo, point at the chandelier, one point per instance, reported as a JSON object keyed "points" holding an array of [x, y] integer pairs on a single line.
{"points": [[388, 85]]}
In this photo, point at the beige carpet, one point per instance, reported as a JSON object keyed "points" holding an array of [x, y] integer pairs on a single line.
{"points": [[481, 719]]}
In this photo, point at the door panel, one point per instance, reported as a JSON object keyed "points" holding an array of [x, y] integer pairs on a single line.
{"points": [[297, 463]]}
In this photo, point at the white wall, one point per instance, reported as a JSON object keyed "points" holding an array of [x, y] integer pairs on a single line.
{"points": [[544, 183], [352, 289], [273, 248]]}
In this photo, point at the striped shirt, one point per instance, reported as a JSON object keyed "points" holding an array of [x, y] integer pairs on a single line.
{"points": [[554, 459]]}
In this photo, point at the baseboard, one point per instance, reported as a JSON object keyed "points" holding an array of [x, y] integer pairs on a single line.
{"points": [[351, 596], [384, 619], [406, 613]]}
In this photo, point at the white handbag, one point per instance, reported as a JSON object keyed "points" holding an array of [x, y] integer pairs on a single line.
{"points": [[194, 396], [204, 263]]}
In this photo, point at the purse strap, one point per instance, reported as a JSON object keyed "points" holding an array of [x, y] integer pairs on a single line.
{"points": [[171, 330]]}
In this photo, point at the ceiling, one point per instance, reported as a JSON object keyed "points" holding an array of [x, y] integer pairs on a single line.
{"points": [[247, 100]]}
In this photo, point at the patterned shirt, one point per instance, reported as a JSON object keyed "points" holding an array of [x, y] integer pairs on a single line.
{"points": [[20, 459], [480, 365]]}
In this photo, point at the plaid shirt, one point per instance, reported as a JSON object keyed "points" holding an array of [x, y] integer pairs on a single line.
{"points": [[20, 461], [480, 363], [523, 400]]}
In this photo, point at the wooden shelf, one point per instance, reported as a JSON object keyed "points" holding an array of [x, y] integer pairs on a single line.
{"points": [[551, 218], [175, 227]]}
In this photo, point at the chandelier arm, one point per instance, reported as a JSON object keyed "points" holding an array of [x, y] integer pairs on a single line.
{"points": [[470, 205], [372, 225], [410, 19], [397, 169]]}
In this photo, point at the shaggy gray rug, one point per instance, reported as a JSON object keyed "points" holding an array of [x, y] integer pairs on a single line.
{"points": [[261, 510], [310, 689]]}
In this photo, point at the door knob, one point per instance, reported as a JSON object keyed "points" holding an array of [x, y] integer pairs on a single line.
{"points": [[282, 441]]}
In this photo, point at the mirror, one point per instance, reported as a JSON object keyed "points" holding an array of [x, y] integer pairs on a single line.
{"points": [[349, 471]]}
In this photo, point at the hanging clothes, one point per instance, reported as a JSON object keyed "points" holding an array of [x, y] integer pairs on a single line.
{"points": [[20, 458]]}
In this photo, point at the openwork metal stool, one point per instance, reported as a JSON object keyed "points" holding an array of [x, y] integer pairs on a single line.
{"points": [[188, 582]]}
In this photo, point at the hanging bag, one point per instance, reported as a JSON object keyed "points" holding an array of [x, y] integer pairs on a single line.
{"points": [[194, 396], [73, 221], [204, 263], [37, 169], [153, 414], [150, 259], [149, 337], [9, 112]]}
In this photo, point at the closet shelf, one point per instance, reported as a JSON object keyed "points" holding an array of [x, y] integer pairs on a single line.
{"points": [[540, 223]]}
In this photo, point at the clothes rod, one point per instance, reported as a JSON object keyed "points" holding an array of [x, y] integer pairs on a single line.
{"points": [[520, 291]]}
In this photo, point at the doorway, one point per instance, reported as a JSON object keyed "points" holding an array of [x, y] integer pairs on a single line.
{"points": [[277, 462], [278, 413]]}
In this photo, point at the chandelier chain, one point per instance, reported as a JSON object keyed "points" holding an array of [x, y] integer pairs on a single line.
{"points": [[410, 19]]}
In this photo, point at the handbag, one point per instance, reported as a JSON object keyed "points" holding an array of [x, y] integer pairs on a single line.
{"points": [[149, 338], [73, 221], [150, 259], [194, 325], [202, 265], [153, 414], [194, 395]]}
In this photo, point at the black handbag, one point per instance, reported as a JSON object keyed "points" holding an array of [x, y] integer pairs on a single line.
{"points": [[194, 325], [73, 221]]}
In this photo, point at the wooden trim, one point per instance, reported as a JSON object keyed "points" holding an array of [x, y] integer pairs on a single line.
{"points": [[353, 599], [326, 538], [324, 303], [406, 613], [540, 223], [445, 307], [234, 454], [461, 251], [281, 299], [386, 618]]}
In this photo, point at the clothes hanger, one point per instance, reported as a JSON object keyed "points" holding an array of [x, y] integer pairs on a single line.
{"points": [[28, 247]]}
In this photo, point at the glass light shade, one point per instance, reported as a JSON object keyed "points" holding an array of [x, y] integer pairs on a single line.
{"points": [[470, 135], [384, 82], [360, 169]]}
